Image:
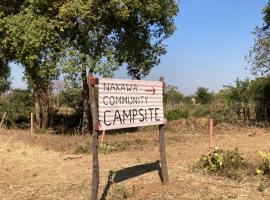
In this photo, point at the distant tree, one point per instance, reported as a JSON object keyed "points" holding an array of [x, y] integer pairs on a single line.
{"points": [[239, 97], [72, 98], [18, 105], [260, 94], [203, 96], [172, 96], [259, 54]]}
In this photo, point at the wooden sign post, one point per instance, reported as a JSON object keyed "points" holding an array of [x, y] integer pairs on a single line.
{"points": [[95, 162], [164, 169], [3, 119], [210, 134], [126, 104], [32, 123]]}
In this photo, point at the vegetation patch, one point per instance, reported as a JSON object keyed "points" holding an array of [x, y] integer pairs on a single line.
{"points": [[222, 162], [176, 114], [120, 192], [264, 168], [106, 148]]}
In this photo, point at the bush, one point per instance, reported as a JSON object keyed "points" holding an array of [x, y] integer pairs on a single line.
{"points": [[202, 111], [176, 114], [107, 148], [222, 162], [264, 168], [18, 105]]}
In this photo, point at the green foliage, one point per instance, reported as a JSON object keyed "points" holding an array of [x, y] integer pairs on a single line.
{"points": [[222, 162], [176, 114], [18, 105], [71, 97], [4, 85], [201, 111], [260, 89], [264, 168], [172, 96], [203, 96]]}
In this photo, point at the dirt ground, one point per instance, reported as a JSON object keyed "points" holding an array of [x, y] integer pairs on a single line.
{"points": [[29, 171]]}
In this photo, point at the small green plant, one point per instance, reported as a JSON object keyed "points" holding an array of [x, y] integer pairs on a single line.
{"points": [[176, 114], [264, 168], [222, 162], [107, 148]]}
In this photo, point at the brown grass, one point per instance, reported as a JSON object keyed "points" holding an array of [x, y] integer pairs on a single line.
{"points": [[40, 166]]}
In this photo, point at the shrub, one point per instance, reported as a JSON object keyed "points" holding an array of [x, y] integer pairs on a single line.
{"points": [[81, 149], [176, 114], [107, 148], [222, 162], [18, 105], [264, 168], [202, 111]]}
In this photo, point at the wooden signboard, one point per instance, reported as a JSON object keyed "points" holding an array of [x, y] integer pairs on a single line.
{"points": [[129, 103], [125, 104]]}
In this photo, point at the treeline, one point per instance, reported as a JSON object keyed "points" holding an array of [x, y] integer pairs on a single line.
{"points": [[245, 100]]}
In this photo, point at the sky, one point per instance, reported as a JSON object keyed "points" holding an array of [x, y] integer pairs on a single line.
{"points": [[208, 48]]}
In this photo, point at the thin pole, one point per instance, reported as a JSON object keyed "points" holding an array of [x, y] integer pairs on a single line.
{"points": [[164, 168], [32, 122], [210, 134]]}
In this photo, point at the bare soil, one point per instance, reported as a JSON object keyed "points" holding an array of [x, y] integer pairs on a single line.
{"points": [[44, 166]]}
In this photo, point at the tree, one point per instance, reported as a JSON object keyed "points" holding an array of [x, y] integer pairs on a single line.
{"points": [[110, 33], [33, 41], [260, 90], [203, 96], [239, 98], [259, 54], [172, 96]]}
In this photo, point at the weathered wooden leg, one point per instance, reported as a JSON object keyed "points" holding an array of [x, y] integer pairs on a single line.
{"points": [[95, 172], [164, 168]]}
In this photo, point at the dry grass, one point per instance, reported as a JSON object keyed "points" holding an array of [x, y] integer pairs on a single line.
{"points": [[40, 166]]}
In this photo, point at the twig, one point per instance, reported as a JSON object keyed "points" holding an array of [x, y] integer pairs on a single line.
{"points": [[71, 158]]}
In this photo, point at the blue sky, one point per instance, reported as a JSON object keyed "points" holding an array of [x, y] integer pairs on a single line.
{"points": [[209, 47]]}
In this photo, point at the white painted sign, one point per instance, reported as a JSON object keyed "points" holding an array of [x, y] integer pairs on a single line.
{"points": [[129, 103]]}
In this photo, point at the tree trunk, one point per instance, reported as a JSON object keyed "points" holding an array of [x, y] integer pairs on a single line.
{"points": [[85, 93], [37, 110], [43, 107]]}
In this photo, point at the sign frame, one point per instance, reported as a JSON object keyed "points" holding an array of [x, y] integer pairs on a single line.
{"points": [[96, 131]]}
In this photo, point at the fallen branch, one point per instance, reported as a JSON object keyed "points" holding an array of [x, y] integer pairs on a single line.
{"points": [[72, 158]]}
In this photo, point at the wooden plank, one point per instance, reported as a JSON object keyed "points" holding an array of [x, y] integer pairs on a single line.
{"points": [[164, 168], [120, 100]]}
